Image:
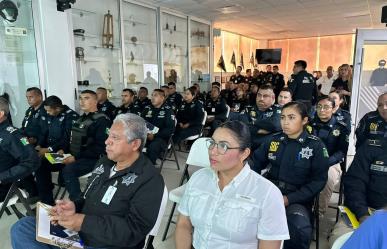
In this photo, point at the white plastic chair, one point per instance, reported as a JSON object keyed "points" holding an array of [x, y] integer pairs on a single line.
{"points": [[228, 111], [155, 230], [13, 196], [339, 242], [198, 156]]}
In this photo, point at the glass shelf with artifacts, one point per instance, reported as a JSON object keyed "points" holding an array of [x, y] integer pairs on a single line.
{"points": [[175, 51], [140, 28], [200, 54], [97, 45]]}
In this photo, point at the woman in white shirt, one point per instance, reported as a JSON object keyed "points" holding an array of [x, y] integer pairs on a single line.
{"points": [[228, 205]]}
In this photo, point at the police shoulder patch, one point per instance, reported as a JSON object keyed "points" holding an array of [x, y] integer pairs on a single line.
{"points": [[24, 141], [11, 129]]}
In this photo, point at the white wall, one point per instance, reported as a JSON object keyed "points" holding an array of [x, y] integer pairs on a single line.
{"points": [[54, 39]]}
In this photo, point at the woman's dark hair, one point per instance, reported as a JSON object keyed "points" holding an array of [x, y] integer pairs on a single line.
{"points": [[53, 102], [240, 131], [327, 98], [299, 106], [286, 89], [192, 90], [339, 93]]}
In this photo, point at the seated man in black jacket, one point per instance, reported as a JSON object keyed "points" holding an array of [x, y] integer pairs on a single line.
{"points": [[121, 202]]}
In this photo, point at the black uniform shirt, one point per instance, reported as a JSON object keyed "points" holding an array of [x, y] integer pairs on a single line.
{"points": [[365, 183], [129, 109], [303, 86], [123, 221], [18, 158], [237, 78], [108, 108], [343, 116], [216, 108], [56, 131], [142, 104], [371, 126], [299, 167], [162, 118], [31, 125], [174, 101], [191, 113], [269, 120], [335, 135]]}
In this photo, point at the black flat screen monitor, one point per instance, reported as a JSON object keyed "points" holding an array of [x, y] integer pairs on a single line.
{"points": [[268, 56]]}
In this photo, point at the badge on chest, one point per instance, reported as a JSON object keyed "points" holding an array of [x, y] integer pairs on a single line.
{"points": [[109, 194]]}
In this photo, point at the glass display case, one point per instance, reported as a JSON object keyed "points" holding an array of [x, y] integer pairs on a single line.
{"points": [[19, 66], [97, 41], [140, 39], [200, 54], [175, 52]]}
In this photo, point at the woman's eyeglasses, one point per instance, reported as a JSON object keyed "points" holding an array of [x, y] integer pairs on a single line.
{"points": [[221, 147]]}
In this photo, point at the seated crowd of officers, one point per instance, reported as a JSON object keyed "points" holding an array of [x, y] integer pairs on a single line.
{"points": [[302, 168]]}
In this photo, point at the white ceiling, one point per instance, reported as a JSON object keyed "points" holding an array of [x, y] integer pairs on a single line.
{"points": [[278, 19]]}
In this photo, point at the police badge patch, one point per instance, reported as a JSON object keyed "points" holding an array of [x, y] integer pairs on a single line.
{"points": [[99, 170], [129, 179], [336, 132]]}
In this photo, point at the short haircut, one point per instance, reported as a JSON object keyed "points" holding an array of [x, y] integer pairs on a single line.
{"points": [[275, 66], [287, 89], [102, 89], [91, 92], [327, 98], [144, 88], [172, 84], [266, 87], [159, 91], [164, 86], [192, 90], [134, 127], [215, 83], [248, 70], [301, 63], [53, 102], [4, 106], [239, 67], [130, 91], [240, 131], [216, 87], [35, 90]]}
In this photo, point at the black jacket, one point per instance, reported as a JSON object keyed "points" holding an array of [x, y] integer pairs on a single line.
{"points": [[174, 101], [130, 109], [18, 157], [365, 183], [269, 120], [107, 108], [191, 113], [142, 104], [335, 135], [31, 125], [299, 167], [216, 108], [303, 87], [371, 126], [132, 211], [162, 118], [56, 131]]}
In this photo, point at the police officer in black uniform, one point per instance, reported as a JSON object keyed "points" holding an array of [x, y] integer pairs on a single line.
{"points": [[276, 80], [142, 99], [264, 117], [104, 105], [248, 78], [338, 112], [55, 138], [128, 106], [161, 116], [199, 95], [174, 99], [189, 117], [303, 85], [122, 199], [18, 157], [299, 165], [216, 109], [31, 125], [335, 135], [237, 77], [374, 124]]}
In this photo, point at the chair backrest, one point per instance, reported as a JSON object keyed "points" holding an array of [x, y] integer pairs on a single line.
{"points": [[204, 117], [163, 205], [228, 111], [198, 154], [339, 242]]}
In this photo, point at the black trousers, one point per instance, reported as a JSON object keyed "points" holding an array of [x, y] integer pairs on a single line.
{"points": [[300, 227], [154, 148], [181, 134], [44, 182]]}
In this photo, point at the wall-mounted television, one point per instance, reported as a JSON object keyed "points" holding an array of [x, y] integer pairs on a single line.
{"points": [[268, 56]]}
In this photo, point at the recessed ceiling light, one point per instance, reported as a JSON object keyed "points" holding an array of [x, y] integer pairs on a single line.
{"points": [[230, 9]]}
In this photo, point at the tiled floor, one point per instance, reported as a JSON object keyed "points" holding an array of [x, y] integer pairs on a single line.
{"points": [[171, 177]]}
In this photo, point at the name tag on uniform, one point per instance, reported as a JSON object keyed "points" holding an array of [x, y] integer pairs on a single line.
{"points": [[213, 109], [109, 195]]}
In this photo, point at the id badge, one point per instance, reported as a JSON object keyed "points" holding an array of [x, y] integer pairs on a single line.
{"points": [[213, 109], [107, 198]]}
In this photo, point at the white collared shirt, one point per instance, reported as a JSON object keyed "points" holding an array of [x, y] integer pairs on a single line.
{"points": [[326, 84], [249, 208]]}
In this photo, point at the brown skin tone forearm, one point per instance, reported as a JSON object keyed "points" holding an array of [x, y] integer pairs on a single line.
{"points": [[183, 234]]}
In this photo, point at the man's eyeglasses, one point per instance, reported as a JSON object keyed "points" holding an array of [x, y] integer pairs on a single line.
{"points": [[221, 147], [323, 107]]}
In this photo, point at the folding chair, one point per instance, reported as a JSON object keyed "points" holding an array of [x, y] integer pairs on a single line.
{"points": [[316, 218], [13, 196], [63, 189], [228, 111], [153, 233], [198, 156], [194, 137], [170, 147], [343, 167]]}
